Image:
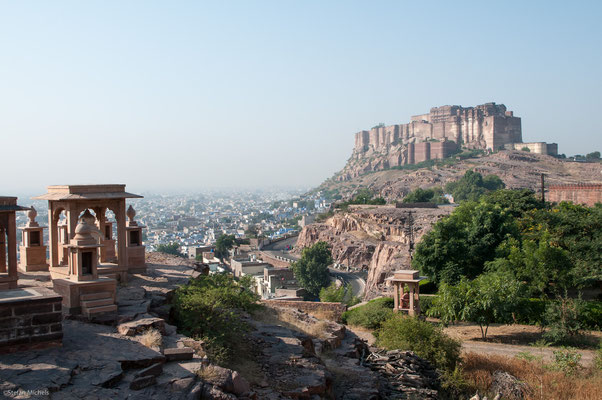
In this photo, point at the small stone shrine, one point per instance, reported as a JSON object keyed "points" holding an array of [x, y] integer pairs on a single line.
{"points": [[32, 249], [406, 291], [135, 249], [84, 291]]}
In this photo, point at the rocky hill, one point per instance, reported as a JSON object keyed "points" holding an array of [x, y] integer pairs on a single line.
{"points": [[374, 238], [518, 169]]}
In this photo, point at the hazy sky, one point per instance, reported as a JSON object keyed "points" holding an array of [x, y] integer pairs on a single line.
{"points": [[172, 95]]}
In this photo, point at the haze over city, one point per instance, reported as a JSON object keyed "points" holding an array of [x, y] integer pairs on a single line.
{"points": [[186, 96]]}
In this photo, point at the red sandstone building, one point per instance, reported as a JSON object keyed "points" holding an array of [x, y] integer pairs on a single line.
{"points": [[586, 194]]}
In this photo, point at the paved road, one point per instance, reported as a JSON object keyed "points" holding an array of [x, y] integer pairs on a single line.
{"points": [[358, 284], [280, 248], [282, 245]]}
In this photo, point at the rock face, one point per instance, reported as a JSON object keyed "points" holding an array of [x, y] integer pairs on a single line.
{"points": [[374, 239]]}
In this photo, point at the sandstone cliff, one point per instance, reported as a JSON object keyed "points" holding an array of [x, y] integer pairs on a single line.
{"points": [[375, 239]]}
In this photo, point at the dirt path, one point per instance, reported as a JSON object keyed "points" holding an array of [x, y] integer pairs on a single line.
{"points": [[466, 333]]}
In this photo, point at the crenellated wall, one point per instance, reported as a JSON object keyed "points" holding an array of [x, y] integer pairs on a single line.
{"points": [[487, 126]]}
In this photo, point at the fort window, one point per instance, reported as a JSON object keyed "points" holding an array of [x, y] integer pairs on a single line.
{"points": [[108, 232], [86, 263], [34, 238]]}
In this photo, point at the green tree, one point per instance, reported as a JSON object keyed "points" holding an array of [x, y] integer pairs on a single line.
{"points": [[490, 298], [223, 244], [311, 270], [472, 186], [431, 195], [593, 156], [460, 244], [171, 248]]}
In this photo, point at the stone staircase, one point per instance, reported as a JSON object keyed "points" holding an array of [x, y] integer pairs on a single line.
{"points": [[97, 304]]}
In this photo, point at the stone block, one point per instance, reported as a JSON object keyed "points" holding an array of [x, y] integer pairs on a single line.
{"points": [[184, 353], [142, 382], [154, 370]]}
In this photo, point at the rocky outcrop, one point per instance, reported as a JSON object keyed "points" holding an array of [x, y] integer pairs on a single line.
{"points": [[374, 239], [518, 169]]}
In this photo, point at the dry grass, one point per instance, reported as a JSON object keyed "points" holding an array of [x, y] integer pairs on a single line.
{"points": [[544, 382], [289, 319], [151, 338], [208, 373]]}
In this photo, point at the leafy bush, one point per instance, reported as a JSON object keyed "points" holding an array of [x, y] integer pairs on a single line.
{"points": [[591, 314], [563, 319], [427, 287], [531, 311], [424, 338], [567, 360], [426, 306], [209, 308], [371, 315], [431, 195], [338, 294]]}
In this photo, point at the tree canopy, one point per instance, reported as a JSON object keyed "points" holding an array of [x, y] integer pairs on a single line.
{"points": [[223, 244], [549, 247], [311, 270], [430, 195], [490, 298], [473, 185]]}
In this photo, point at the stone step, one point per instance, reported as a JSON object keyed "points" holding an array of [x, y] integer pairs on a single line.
{"points": [[101, 309], [111, 275], [95, 296], [96, 303]]}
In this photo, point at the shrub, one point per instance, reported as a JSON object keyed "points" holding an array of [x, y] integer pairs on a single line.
{"points": [[424, 338], [567, 360], [426, 306], [151, 338], [563, 319], [371, 315], [427, 287], [209, 308]]}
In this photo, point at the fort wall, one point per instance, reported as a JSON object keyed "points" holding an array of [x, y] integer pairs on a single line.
{"points": [[487, 126], [584, 194]]}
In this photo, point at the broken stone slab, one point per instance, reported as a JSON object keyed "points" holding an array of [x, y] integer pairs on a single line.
{"points": [[109, 376], [136, 363], [140, 325], [178, 354], [228, 380], [154, 370], [142, 382]]}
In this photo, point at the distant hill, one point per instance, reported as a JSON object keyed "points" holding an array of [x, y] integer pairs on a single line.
{"points": [[518, 169]]}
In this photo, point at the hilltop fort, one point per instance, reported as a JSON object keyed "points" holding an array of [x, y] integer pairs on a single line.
{"points": [[437, 135]]}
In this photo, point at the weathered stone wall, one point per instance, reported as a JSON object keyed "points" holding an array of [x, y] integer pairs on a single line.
{"points": [[587, 195], [31, 323], [317, 309]]}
